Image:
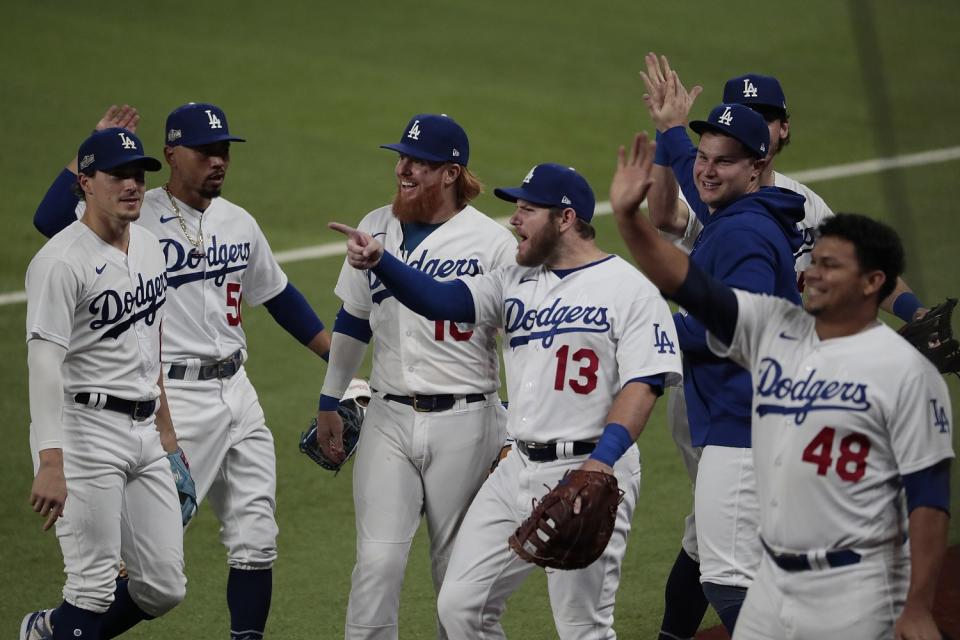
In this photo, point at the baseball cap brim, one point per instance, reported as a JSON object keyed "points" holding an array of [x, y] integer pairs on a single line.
{"points": [[519, 193], [148, 163], [210, 139], [413, 152], [702, 126]]}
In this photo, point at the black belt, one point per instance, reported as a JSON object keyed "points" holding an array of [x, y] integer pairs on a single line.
{"points": [[548, 452], [439, 402], [215, 370], [136, 409], [801, 561]]}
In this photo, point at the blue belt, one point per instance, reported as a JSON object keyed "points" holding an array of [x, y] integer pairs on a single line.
{"points": [[801, 561]]}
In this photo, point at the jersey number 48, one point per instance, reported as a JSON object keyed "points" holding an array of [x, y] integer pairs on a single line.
{"points": [[852, 461]]}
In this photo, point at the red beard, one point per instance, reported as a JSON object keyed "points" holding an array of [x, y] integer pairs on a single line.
{"points": [[420, 208]]}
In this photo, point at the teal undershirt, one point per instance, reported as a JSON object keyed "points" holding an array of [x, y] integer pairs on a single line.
{"points": [[415, 232]]}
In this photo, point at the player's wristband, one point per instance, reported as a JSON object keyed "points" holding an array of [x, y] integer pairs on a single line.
{"points": [[660, 156], [906, 305], [612, 444], [328, 403]]}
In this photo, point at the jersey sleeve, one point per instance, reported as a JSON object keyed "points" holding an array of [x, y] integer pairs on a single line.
{"points": [[755, 313], [487, 291], [264, 279], [53, 289], [505, 253], [647, 341], [920, 427]]}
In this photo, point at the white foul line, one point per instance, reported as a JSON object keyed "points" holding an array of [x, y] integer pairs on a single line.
{"points": [[822, 174]]}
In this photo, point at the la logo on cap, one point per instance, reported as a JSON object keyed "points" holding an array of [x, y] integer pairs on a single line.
{"points": [[214, 120], [126, 141], [529, 176], [749, 89], [726, 117], [414, 133]]}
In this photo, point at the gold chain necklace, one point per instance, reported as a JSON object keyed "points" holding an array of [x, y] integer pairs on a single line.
{"points": [[198, 242]]}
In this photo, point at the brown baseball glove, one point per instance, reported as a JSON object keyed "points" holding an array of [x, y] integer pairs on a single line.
{"points": [[571, 526]]}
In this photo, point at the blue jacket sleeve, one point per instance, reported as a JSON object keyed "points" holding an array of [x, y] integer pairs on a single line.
{"points": [[292, 312], [680, 153], [430, 298], [747, 261], [58, 209]]}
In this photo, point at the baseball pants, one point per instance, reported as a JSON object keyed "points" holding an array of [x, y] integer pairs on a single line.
{"points": [[221, 427], [121, 503], [484, 571], [727, 516], [690, 455], [856, 602], [411, 465]]}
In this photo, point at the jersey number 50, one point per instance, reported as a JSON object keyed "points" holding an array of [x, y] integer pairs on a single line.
{"points": [[234, 296]]}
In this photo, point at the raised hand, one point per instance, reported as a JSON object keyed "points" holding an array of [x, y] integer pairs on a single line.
{"points": [[667, 100], [363, 251], [126, 117], [633, 178]]}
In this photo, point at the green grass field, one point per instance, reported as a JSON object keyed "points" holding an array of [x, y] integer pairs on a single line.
{"points": [[316, 86]]}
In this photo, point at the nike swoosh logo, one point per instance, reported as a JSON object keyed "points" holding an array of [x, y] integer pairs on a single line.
{"points": [[522, 280], [100, 269], [165, 220], [786, 337]]}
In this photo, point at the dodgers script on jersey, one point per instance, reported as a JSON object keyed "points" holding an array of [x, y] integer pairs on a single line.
{"points": [[815, 211], [433, 356], [835, 422], [571, 343], [104, 306], [236, 263]]}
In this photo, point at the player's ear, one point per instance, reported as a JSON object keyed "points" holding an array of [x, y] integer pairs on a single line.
{"points": [[568, 218], [168, 154], [84, 181], [872, 282], [451, 173]]}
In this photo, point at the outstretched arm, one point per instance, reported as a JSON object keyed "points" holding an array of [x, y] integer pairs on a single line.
{"points": [[419, 292], [57, 210], [292, 312], [705, 297]]}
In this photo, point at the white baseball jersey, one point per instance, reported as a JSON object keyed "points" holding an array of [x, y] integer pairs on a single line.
{"points": [[815, 212], [571, 343], [415, 355], [836, 423], [204, 320], [104, 306]]}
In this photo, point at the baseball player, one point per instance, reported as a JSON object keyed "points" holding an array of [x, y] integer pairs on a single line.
{"points": [[217, 255], [95, 298], [589, 345], [685, 603], [435, 421], [847, 418], [754, 252]]}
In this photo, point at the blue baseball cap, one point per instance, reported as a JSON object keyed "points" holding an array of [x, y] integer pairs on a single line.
{"points": [[111, 148], [196, 124], [739, 122], [554, 185], [755, 89], [434, 138]]}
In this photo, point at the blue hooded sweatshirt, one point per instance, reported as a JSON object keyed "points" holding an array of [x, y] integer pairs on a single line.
{"points": [[747, 244]]}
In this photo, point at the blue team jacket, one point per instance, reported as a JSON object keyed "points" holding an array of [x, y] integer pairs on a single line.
{"points": [[749, 244]]}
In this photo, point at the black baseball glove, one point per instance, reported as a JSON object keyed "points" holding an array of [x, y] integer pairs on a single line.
{"points": [[351, 412], [932, 335]]}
